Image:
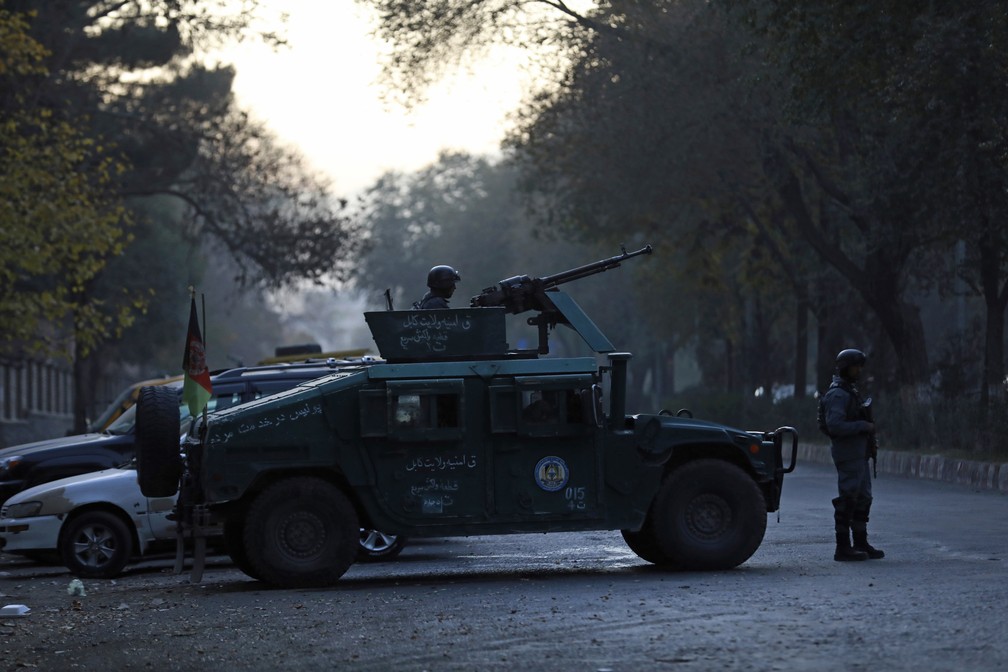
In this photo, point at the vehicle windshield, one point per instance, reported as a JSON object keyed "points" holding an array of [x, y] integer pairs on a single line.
{"points": [[125, 423]]}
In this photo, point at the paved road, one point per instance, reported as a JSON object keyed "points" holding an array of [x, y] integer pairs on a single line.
{"points": [[569, 602]]}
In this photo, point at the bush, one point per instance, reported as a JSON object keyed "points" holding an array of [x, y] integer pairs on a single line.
{"points": [[958, 427], [749, 412], [951, 427]]}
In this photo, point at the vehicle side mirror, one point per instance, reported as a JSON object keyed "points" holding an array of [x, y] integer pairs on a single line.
{"points": [[591, 405]]}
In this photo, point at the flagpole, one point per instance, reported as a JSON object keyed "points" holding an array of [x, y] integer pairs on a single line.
{"points": [[203, 305]]}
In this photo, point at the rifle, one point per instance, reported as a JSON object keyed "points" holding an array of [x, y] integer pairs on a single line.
{"points": [[873, 445], [522, 293]]}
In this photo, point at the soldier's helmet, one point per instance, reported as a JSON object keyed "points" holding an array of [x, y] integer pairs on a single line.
{"points": [[442, 277], [849, 357]]}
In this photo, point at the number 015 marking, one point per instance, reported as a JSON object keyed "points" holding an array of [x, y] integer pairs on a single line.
{"points": [[575, 497]]}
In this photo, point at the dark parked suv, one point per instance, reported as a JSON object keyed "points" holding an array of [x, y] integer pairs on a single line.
{"points": [[31, 464]]}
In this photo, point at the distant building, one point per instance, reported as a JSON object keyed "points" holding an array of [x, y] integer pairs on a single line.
{"points": [[36, 400]]}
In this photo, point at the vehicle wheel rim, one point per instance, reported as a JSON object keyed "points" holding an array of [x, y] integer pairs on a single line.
{"points": [[708, 516], [374, 541], [95, 546], [302, 535]]}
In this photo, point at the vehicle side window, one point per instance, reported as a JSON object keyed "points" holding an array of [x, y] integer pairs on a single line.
{"points": [[415, 410], [540, 406], [429, 411], [224, 401], [549, 406]]}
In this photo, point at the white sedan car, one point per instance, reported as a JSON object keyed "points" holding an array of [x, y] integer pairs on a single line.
{"points": [[96, 522], [100, 521]]}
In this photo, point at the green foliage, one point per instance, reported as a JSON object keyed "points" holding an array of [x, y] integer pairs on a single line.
{"points": [[861, 135], [133, 73], [59, 217], [961, 428], [20, 55], [109, 116], [151, 275]]}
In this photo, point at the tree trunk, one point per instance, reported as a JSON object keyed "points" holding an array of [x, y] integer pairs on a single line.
{"points": [[80, 396], [877, 281], [801, 349], [994, 374], [995, 300]]}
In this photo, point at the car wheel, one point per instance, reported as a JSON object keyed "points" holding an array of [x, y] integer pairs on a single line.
{"points": [[96, 545], [376, 546], [159, 462], [709, 514], [301, 532]]}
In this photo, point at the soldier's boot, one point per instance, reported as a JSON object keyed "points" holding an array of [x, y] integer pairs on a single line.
{"points": [[859, 529], [842, 524]]}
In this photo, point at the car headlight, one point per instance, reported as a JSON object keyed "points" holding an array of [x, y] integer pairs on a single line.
{"points": [[7, 464], [23, 509]]}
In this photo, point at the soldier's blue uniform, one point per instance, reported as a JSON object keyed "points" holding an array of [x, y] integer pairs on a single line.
{"points": [[441, 281], [851, 442]]}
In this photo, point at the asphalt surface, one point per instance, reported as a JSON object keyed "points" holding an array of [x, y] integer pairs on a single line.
{"points": [[568, 601]]}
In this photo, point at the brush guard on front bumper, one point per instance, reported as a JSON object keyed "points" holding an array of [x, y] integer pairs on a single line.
{"points": [[777, 436]]}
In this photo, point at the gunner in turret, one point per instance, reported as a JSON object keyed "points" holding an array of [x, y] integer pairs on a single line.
{"points": [[441, 281]]}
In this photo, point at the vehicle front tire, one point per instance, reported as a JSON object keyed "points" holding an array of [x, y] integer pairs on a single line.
{"points": [[300, 533], [709, 515], [376, 546], [96, 545], [159, 461], [645, 544]]}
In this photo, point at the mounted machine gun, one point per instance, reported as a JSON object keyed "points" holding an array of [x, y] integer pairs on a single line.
{"points": [[522, 293]]}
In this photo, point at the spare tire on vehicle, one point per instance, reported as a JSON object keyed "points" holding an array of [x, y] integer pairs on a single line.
{"points": [[159, 463]]}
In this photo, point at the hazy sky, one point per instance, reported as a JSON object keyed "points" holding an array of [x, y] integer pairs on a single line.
{"points": [[321, 95]]}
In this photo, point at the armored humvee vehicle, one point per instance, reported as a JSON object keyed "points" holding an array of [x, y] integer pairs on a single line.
{"points": [[452, 433]]}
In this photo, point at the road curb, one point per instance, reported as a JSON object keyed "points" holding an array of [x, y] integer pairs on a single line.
{"points": [[972, 473]]}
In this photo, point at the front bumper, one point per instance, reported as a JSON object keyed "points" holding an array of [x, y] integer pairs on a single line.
{"points": [[39, 533]]}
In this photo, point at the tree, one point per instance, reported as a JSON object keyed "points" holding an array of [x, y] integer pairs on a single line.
{"points": [[133, 69], [128, 74], [904, 86], [846, 143], [60, 222]]}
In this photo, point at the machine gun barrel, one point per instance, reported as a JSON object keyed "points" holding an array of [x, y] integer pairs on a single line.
{"points": [[591, 269], [522, 293]]}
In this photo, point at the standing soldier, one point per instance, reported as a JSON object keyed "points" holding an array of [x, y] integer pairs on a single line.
{"points": [[441, 281], [843, 418]]}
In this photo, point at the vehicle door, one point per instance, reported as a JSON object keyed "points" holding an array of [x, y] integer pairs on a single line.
{"points": [[415, 433], [546, 434]]}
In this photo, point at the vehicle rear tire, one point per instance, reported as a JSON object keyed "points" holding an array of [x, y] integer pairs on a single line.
{"points": [[234, 544], [96, 545], [376, 546], [709, 514], [301, 532], [159, 462]]}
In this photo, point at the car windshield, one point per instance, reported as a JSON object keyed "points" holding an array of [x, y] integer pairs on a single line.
{"points": [[125, 423]]}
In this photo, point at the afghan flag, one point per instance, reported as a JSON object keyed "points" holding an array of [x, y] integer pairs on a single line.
{"points": [[196, 389]]}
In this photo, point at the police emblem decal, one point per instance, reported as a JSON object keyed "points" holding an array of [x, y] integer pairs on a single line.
{"points": [[551, 473]]}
